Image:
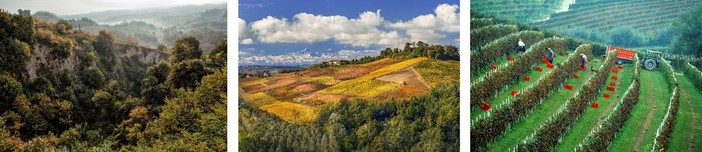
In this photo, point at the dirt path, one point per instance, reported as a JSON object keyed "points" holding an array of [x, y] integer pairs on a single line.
{"points": [[615, 100], [695, 122], [246, 99], [419, 77], [651, 99]]}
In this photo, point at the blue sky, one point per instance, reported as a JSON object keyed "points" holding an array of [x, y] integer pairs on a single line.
{"points": [[283, 32]]}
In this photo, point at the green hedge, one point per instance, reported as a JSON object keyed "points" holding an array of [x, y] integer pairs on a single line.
{"points": [[484, 35], [481, 58], [548, 135], [485, 130]]}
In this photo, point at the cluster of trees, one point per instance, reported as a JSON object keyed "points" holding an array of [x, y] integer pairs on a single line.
{"points": [[688, 30], [88, 107], [16, 37], [411, 50], [624, 36], [426, 123]]}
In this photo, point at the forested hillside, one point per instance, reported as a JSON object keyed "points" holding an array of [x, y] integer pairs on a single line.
{"points": [[65, 89]]}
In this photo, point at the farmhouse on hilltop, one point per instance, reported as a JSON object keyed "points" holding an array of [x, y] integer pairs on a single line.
{"points": [[335, 62]]}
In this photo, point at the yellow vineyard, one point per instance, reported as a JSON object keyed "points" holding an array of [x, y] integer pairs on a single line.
{"points": [[296, 97], [365, 86], [292, 112]]}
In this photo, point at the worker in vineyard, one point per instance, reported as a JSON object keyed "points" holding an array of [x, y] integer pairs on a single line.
{"points": [[551, 55], [521, 45], [584, 61]]}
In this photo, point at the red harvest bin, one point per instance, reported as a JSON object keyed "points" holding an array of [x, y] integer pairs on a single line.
{"points": [[614, 77], [514, 92], [545, 60], [580, 68], [595, 105], [527, 78], [606, 95], [621, 67], [576, 76], [538, 69], [549, 66], [485, 106], [493, 67], [509, 58], [610, 88], [615, 69], [612, 83], [568, 86]]}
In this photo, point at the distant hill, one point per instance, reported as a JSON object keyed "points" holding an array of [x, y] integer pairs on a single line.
{"points": [[149, 14], [645, 16], [153, 27]]}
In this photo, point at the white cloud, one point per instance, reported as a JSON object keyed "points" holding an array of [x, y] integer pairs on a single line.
{"points": [[244, 33], [247, 41], [309, 28], [427, 27], [364, 31], [306, 57]]}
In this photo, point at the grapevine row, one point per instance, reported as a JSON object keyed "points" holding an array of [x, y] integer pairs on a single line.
{"points": [[665, 129], [602, 136], [484, 35], [481, 58], [486, 88], [548, 135], [486, 129]]}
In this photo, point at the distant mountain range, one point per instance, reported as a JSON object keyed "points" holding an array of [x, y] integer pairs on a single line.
{"points": [[154, 26]]}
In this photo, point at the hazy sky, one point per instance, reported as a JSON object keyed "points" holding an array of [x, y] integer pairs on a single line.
{"points": [[70, 7]]}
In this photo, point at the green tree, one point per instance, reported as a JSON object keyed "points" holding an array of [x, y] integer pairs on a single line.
{"points": [[626, 36], [104, 46], [14, 55], [688, 31], [92, 77], [186, 74], [185, 48], [218, 55], [9, 89]]}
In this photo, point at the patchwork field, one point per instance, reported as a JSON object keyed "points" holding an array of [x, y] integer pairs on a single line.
{"points": [[297, 96]]}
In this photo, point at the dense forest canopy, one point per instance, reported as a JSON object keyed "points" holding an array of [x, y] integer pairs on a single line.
{"points": [[64, 89], [426, 123]]}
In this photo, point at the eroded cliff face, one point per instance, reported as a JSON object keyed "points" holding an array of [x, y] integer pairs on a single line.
{"points": [[142, 54], [79, 58]]}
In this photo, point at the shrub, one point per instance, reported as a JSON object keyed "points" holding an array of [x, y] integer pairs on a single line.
{"points": [[92, 77], [186, 74], [9, 89]]}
